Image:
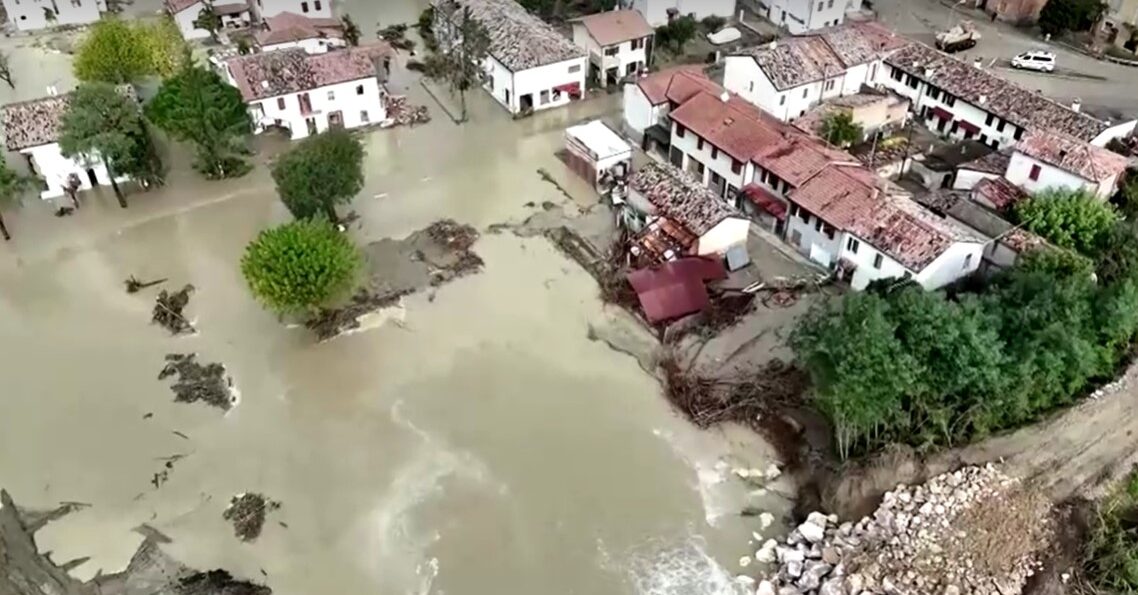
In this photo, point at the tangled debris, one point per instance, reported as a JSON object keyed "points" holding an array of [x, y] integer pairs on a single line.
{"points": [[133, 285], [454, 241], [330, 322], [218, 582], [970, 532], [168, 309], [247, 513], [402, 113], [196, 382]]}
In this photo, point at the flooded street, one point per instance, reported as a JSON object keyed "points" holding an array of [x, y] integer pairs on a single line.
{"points": [[472, 441]]}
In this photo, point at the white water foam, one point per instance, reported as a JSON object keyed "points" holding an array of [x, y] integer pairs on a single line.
{"points": [[679, 566], [718, 501]]}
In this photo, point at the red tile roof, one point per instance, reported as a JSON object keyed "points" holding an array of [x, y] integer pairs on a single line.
{"points": [[676, 84], [676, 288], [289, 26], [1001, 193], [1067, 153], [616, 26], [995, 162], [798, 157], [765, 200], [734, 126], [281, 72]]}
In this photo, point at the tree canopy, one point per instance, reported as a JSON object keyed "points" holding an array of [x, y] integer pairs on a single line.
{"points": [[1075, 220], [12, 187], [197, 106], [168, 51], [1059, 16], [676, 34], [839, 129], [319, 173], [459, 65], [114, 51], [103, 122], [208, 20], [300, 266]]}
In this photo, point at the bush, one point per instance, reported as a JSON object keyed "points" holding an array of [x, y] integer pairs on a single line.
{"points": [[676, 34], [712, 23], [1074, 220], [300, 266], [1110, 561]]}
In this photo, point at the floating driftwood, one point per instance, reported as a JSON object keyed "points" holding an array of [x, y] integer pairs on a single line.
{"points": [[133, 285], [168, 309], [196, 382], [247, 513]]}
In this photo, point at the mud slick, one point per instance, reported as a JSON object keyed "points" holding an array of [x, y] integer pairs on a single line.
{"points": [[430, 257], [168, 309], [25, 571], [247, 512], [196, 382]]}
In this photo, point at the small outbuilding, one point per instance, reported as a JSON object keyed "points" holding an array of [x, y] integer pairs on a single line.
{"points": [[598, 154]]}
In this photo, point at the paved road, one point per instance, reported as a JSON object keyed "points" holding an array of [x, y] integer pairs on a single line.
{"points": [[1114, 96]]}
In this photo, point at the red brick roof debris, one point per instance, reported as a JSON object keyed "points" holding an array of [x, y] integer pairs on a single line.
{"points": [[676, 288], [292, 70], [1000, 97], [1001, 193], [676, 84], [288, 27], [615, 26], [1022, 241], [1081, 158], [679, 196], [663, 239]]}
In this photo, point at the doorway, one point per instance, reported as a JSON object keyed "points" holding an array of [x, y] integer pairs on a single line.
{"points": [[525, 102], [336, 119], [311, 122], [612, 76], [94, 179]]}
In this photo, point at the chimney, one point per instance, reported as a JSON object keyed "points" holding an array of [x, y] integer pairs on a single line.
{"points": [[978, 63], [51, 90], [725, 96], [773, 45], [1077, 105], [928, 73], [983, 99]]}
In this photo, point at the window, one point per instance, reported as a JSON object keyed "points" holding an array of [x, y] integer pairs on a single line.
{"points": [[896, 74], [829, 231], [794, 210], [804, 216], [364, 116], [820, 5], [543, 97], [714, 153], [818, 224], [955, 127], [679, 130], [1019, 133], [805, 91], [631, 68], [280, 103], [751, 86], [736, 166], [949, 100], [316, 4], [1000, 128], [782, 99], [877, 260], [984, 138], [331, 96], [638, 43], [829, 85], [967, 261], [830, 4], [934, 92], [852, 245], [303, 7], [611, 51], [989, 120], [699, 144], [575, 68], [1035, 171]]}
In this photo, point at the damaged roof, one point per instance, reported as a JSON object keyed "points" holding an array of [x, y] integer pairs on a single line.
{"points": [[798, 60], [36, 122], [615, 26], [1070, 154], [992, 163], [518, 39], [676, 84], [292, 70], [993, 94], [679, 196], [998, 192], [288, 27]]}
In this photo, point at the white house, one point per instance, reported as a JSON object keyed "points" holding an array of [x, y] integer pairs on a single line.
{"points": [[659, 12], [236, 14], [619, 43], [801, 16], [1045, 159], [29, 15], [291, 30], [307, 93], [789, 76], [264, 9], [967, 101], [649, 100], [530, 66], [31, 128]]}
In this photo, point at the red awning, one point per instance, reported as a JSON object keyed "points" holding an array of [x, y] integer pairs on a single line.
{"points": [[765, 200], [968, 126], [941, 113], [570, 88]]}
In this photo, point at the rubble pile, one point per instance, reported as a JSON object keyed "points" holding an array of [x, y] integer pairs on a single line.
{"points": [[402, 113], [168, 309], [196, 382], [247, 513], [972, 531]]}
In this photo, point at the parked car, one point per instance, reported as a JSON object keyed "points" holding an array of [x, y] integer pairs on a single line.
{"points": [[1039, 61]]}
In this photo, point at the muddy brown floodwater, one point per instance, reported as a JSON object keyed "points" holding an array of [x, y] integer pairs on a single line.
{"points": [[471, 440]]}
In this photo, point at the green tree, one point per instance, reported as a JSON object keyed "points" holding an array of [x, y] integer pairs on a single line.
{"points": [[103, 123], [164, 43], [319, 173], [1126, 199], [300, 266], [209, 21], [1060, 16], [1117, 260], [860, 369], [839, 129], [1068, 219], [426, 27], [676, 34], [12, 188], [114, 51], [459, 64], [198, 107], [351, 30], [6, 70]]}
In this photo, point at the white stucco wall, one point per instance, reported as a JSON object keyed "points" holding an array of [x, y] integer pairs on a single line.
{"points": [[185, 20], [813, 242], [966, 179], [507, 87], [721, 164], [312, 46], [308, 8], [1019, 173], [639, 114], [656, 11], [801, 16], [345, 99], [625, 55], [28, 15], [50, 164], [743, 76], [1117, 131], [961, 258], [725, 235]]}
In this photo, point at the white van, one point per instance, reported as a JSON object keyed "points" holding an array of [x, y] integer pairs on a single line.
{"points": [[1039, 61]]}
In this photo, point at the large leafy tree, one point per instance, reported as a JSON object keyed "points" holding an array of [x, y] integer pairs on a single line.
{"points": [[1059, 16], [1071, 219], [165, 46], [197, 106], [464, 45], [351, 30], [208, 20], [319, 173], [114, 51], [12, 187], [840, 129], [300, 266], [104, 123]]}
